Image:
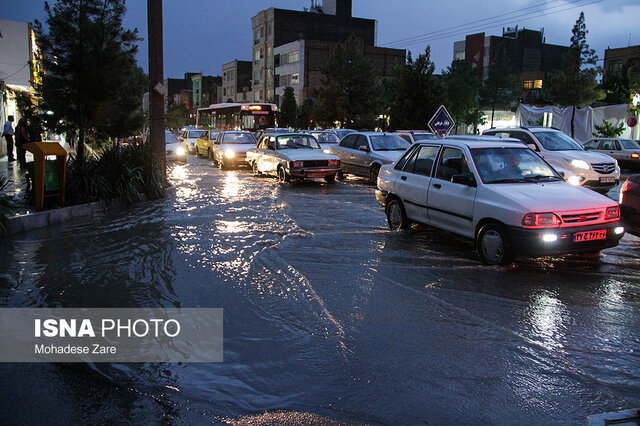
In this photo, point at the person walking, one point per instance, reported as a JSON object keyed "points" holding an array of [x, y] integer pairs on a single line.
{"points": [[8, 133], [22, 138]]}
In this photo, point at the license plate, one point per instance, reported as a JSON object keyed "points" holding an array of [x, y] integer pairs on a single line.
{"points": [[600, 234], [315, 175], [607, 179]]}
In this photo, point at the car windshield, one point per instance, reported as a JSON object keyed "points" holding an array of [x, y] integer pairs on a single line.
{"points": [[557, 141], [424, 137], [296, 142], [326, 137], [170, 138], [195, 134], [238, 138], [511, 165], [388, 143], [629, 144], [344, 132]]}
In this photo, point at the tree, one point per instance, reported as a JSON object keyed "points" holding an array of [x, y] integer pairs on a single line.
{"points": [[462, 85], [348, 94], [415, 93], [288, 108], [576, 85], [92, 85], [305, 114], [608, 130], [498, 90], [177, 116]]}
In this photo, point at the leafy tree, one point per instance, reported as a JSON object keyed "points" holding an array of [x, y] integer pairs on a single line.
{"points": [[498, 90], [608, 130], [305, 114], [576, 85], [416, 94], [462, 85], [288, 108], [349, 88], [92, 85], [177, 116]]}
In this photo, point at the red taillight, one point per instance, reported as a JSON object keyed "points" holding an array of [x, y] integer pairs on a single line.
{"points": [[634, 155], [297, 164], [612, 213], [334, 163], [541, 220]]}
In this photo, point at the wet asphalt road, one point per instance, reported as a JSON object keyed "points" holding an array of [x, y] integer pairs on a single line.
{"points": [[329, 316]]}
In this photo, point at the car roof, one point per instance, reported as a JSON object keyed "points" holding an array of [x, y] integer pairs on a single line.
{"points": [[374, 133], [542, 128], [475, 138], [415, 132], [479, 142]]}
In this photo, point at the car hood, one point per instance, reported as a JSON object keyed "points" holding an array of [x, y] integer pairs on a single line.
{"points": [[237, 147], [172, 146], [549, 196], [389, 155], [307, 154], [588, 156]]}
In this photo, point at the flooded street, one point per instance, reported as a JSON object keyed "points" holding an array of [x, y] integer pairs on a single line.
{"points": [[328, 315]]}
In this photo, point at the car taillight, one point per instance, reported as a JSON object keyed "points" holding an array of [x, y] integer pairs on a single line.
{"points": [[635, 155], [541, 220], [297, 164], [612, 213], [334, 163]]}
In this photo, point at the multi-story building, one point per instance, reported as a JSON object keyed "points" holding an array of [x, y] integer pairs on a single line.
{"points": [[616, 59], [236, 81], [530, 58], [207, 90]]}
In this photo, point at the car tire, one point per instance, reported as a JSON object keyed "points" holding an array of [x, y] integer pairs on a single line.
{"points": [[254, 167], [396, 215], [282, 175], [330, 178], [210, 154], [340, 175], [221, 164], [494, 245], [375, 170]]}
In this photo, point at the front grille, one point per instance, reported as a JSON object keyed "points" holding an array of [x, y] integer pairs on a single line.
{"points": [[604, 168], [316, 163], [580, 218]]}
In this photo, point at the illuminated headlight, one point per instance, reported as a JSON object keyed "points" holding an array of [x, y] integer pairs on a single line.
{"points": [[579, 164], [549, 238], [574, 180], [618, 230], [229, 153], [180, 151]]}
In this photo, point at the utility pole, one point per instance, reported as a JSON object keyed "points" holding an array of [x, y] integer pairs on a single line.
{"points": [[156, 82]]}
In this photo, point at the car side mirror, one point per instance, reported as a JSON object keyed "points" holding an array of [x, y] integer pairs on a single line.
{"points": [[363, 148], [463, 180]]}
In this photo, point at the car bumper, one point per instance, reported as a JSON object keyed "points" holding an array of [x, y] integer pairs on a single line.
{"points": [[238, 160], [529, 242], [308, 173], [598, 185], [381, 197], [630, 219]]}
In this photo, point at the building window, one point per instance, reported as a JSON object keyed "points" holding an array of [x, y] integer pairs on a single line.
{"points": [[224, 91], [459, 55], [615, 66], [294, 56], [532, 84], [256, 37], [256, 77], [295, 78]]}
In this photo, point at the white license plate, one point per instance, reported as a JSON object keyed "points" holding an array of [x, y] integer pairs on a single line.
{"points": [[600, 234], [607, 179], [315, 175]]}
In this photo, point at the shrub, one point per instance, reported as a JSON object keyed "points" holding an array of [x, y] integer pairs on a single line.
{"points": [[7, 206]]}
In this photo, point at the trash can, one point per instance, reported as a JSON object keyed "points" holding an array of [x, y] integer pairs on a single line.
{"points": [[48, 176]]}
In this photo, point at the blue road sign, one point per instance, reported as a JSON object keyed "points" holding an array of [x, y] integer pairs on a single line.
{"points": [[441, 123]]}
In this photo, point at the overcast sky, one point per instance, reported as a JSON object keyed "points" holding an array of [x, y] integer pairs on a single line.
{"points": [[201, 35]]}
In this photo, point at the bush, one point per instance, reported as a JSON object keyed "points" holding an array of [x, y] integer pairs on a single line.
{"points": [[7, 206]]}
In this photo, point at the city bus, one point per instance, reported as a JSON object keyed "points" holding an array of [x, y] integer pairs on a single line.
{"points": [[237, 116]]}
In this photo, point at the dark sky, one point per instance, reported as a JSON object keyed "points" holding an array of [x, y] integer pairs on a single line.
{"points": [[201, 35]]}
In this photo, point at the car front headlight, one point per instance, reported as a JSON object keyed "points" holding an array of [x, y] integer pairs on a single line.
{"points": [[180, 151], [229, 153], [578, 164]]}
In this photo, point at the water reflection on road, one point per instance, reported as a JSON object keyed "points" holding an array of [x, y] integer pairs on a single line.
{"points": [[328, 315]]}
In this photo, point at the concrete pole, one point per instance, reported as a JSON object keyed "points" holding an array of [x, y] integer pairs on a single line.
{"points": [[156, 82]]}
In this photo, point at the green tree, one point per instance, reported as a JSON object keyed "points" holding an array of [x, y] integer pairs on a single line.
{"points": [[92, 85], [415, 93], [498, 90], [177, 116], [576, 85], [608, 130], [288, 108], [305, 114], [462, 86], [349, 91]]}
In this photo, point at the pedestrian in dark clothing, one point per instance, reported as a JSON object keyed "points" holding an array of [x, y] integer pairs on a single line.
{"points": [[8, 133], [22, 138]]}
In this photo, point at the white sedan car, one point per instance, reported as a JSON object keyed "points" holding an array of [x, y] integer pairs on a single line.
{"points": [[230, 148], [501, 194], [292, 155], [173, 148]]}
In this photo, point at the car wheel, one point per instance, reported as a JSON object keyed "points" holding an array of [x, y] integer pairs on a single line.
{"points": [[221, 164], [396, 215], [493, 245], [375, 170], [254, 167], [210, 154], [340, 175], [282, 175], [330, 178]]}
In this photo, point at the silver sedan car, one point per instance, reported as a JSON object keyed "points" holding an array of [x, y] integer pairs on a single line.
{"points": [[625, 151], [363, 153]]}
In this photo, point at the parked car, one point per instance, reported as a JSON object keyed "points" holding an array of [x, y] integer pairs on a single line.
{"points": [[414, 136], [363, 153], [189, 137], [292, 155], [625, 151], [630, 204], [500, 194], [325, 138], [204, 144], [230, 148], [579, 167], [271, 130], [173, 148], [342, 132]]}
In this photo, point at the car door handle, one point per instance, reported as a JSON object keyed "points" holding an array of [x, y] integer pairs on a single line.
{"points": [[403, 177], [437, 186]]}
